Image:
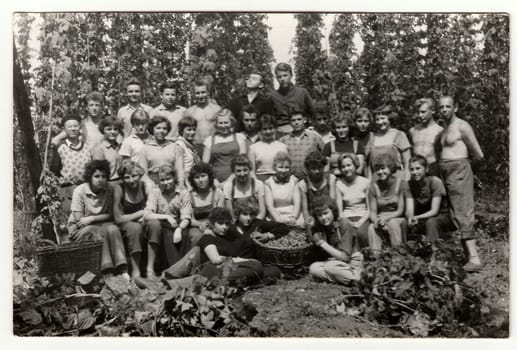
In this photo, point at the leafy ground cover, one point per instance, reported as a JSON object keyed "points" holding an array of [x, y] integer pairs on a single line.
{"points": [[411, 292]]}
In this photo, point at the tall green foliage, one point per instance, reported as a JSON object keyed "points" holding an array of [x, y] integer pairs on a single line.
{"points": [[495, 99], [310, 60], [225, 47], [346, 76], [102, 51]]}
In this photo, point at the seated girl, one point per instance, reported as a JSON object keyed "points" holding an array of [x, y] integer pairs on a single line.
{"points": [[426, 202], [335, 239], [233, 250], [91, 217], [129, 210], [262, 153], [340, 127], [386, 201], [108, 148], [204, 197], [172, 207], [243, 186], [223, 146], [352, 196], [158, 151], [317, 183], [283, 198]]}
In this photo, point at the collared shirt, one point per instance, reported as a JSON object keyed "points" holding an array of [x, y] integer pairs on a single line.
{"points": [[107, 151], [124, 114], [88, 203], [299, 147], [179, 206], [157, 155], [298, 96], [205, 117], [133, 147], [174, 115], [423, 140]]}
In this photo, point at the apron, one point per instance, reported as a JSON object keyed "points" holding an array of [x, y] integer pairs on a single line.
{"points": [[250, 197], [201, 213], [386, 150], [221, 157], [387, 204]]}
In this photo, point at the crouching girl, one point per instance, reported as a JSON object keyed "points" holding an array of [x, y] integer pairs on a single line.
{"points": [[228, 248], [334, 236], [92, 215]]}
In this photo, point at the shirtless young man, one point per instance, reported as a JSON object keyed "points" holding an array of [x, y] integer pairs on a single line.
{"points": [[457, 142], [423, 134]]}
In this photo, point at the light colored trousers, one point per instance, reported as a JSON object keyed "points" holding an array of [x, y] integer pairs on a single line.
{"points": [[338, 271]]}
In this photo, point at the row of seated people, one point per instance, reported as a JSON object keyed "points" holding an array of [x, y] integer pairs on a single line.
{"points": [[165, 221]]}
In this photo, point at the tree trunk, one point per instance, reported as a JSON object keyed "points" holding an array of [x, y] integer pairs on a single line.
{"points": [[21, 107]]}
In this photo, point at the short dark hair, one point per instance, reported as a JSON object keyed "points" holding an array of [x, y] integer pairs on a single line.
{"points": [[240, 160], [315, 160], [321, 203], [245, 206], [139, 115], [168, 85], [70, 114], [284, 67], [110, 121], [185, 122], [266, 120], [94, 165], [157, 119], [201, 168], [385, 159], [417, 158], [94, 96], [220, 215], [250, 109]]}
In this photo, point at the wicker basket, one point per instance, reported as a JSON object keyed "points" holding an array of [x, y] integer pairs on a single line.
{"points": [[75, 257], [284, 257]]}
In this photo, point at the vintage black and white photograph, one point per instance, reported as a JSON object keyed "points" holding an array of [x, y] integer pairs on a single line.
{"points": [[261, 174]]}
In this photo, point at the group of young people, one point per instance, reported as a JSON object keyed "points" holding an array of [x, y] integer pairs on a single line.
{"points": [[181, 190]]}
